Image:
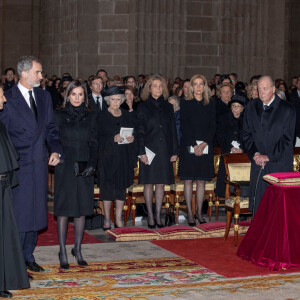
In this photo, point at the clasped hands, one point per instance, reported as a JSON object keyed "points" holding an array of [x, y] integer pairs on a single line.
{"points": [[198, 149], [260, 159], [119, 139]]}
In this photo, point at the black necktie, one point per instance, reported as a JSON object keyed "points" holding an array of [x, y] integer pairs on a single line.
{"points": [[32, 104], [98, 103], [265, 106]]}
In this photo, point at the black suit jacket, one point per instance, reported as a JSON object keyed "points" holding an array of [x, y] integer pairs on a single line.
{"points": [[93, 105]]}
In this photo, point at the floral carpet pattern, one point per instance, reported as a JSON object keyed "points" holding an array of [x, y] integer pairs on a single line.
{"points": [[168, 278]]}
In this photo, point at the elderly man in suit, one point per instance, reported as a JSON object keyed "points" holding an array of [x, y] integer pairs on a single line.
{"points": [[269, 126], [96, 101], [28, 117]]}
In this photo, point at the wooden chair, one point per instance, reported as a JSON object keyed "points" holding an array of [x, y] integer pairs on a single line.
{"points": [[177, 193], [237, 167], [136, 195]]}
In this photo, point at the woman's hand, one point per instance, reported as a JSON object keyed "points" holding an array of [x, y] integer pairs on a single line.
{"points": [[130, 139], [173, 158], [118, 138], [144, 159], [236, 150], [200, 148]]}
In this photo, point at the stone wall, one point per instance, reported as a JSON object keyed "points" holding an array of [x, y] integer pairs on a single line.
{"points": [[172, 37]]}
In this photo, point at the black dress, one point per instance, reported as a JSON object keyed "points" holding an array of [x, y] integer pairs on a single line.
{"points": [[74, 196], [13, 273], [156, 130], [116, 162], [229, 129], [197, 123]]}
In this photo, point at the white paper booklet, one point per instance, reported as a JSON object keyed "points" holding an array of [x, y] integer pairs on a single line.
{"points": [[150, 155], [124, 133], [205, 151], [235, 144]]}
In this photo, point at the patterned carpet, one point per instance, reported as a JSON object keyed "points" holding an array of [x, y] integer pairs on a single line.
{"points": [[166, 278]]}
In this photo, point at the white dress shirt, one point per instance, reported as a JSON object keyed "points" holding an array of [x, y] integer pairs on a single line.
{"points": [[100, 99], [25, 92]]}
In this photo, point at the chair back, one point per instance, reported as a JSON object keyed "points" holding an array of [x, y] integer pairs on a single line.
{"points": [[296, 160]]}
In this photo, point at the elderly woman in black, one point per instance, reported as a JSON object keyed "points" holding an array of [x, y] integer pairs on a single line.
{"points": [[156, 131], [116, 154], [74, 181], [13, 273], [198, 123], [229, 133]]}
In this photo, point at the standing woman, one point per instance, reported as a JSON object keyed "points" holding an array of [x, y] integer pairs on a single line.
{"points": [[116, 161], [74, 193], [156, 130], [13, 273], [198, 124]]}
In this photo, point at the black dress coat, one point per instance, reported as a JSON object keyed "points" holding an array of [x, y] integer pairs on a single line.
{"points": [[74, 196], [29, 137], [229, 129], [156, 130], [13, 273], [116, 162], [269, 132], [197, 123], [295, 99]]}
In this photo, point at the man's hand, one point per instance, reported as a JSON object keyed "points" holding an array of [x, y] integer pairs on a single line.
{"points": [[54, 159], [236, 150], [260, 159]]}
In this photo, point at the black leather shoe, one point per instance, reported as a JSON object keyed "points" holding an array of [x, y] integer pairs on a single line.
{"points": [[106, 228], [192, 224], [34, 267], [151, 226], [201, 222], [30, 277], [5, 294], [79, 262]]}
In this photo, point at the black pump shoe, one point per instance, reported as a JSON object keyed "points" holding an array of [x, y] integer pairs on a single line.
{"points": [[79, 262], [201, 222], [192, 224], [64, 266], [151, 226]]}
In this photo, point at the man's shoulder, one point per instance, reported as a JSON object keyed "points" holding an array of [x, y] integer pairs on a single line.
{"points": [[41, 92]]}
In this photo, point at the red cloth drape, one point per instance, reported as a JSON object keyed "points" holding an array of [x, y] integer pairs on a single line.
{"points": [[273, 239]]}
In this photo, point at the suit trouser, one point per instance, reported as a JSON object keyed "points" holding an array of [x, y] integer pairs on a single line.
{"points": [[28, 242]]}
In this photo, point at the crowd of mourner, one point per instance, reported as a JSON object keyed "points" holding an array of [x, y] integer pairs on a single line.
{"points": [[107, 125]]}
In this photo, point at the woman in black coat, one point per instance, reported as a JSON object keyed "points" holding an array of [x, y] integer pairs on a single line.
{"points": [[198, 123], [229, 129], [156, 130], [13, 273], [74, 193], [116, 159]]}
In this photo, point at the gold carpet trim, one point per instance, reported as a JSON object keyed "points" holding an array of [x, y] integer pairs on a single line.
{"points": [[99, 283]]}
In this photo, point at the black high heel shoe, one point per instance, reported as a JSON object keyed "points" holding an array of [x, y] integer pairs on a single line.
{"points": [[79, 262], [192, 224], [159, 225], [5, 294], [65, 266], [196, 218], [151, 226]]}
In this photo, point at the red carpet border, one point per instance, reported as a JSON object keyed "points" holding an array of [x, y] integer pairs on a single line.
{"points": [[201, 231], [48, 237]]}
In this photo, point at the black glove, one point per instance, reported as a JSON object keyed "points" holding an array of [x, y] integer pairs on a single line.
{"points": [[90, 171]]}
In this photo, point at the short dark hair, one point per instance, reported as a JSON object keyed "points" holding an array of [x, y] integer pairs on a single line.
{"points": [[101, 70], [9, 69], [92, 78], [223, 77], [142, 75]]}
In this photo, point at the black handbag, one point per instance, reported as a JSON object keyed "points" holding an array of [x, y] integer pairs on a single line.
{"points": [[79, 167]]}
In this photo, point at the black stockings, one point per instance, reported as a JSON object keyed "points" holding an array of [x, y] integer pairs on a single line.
{"points": [[188, 194], [159, 196], [62, 226]]}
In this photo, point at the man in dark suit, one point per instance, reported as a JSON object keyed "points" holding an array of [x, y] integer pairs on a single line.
{"points": [[96, 101], [295, 99], [268, 133], [28, 117]]}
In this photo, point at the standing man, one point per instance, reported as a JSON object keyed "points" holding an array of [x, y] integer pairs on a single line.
{"points": [[269, 126], [103, 74], [96, 101], [28, 117]]}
